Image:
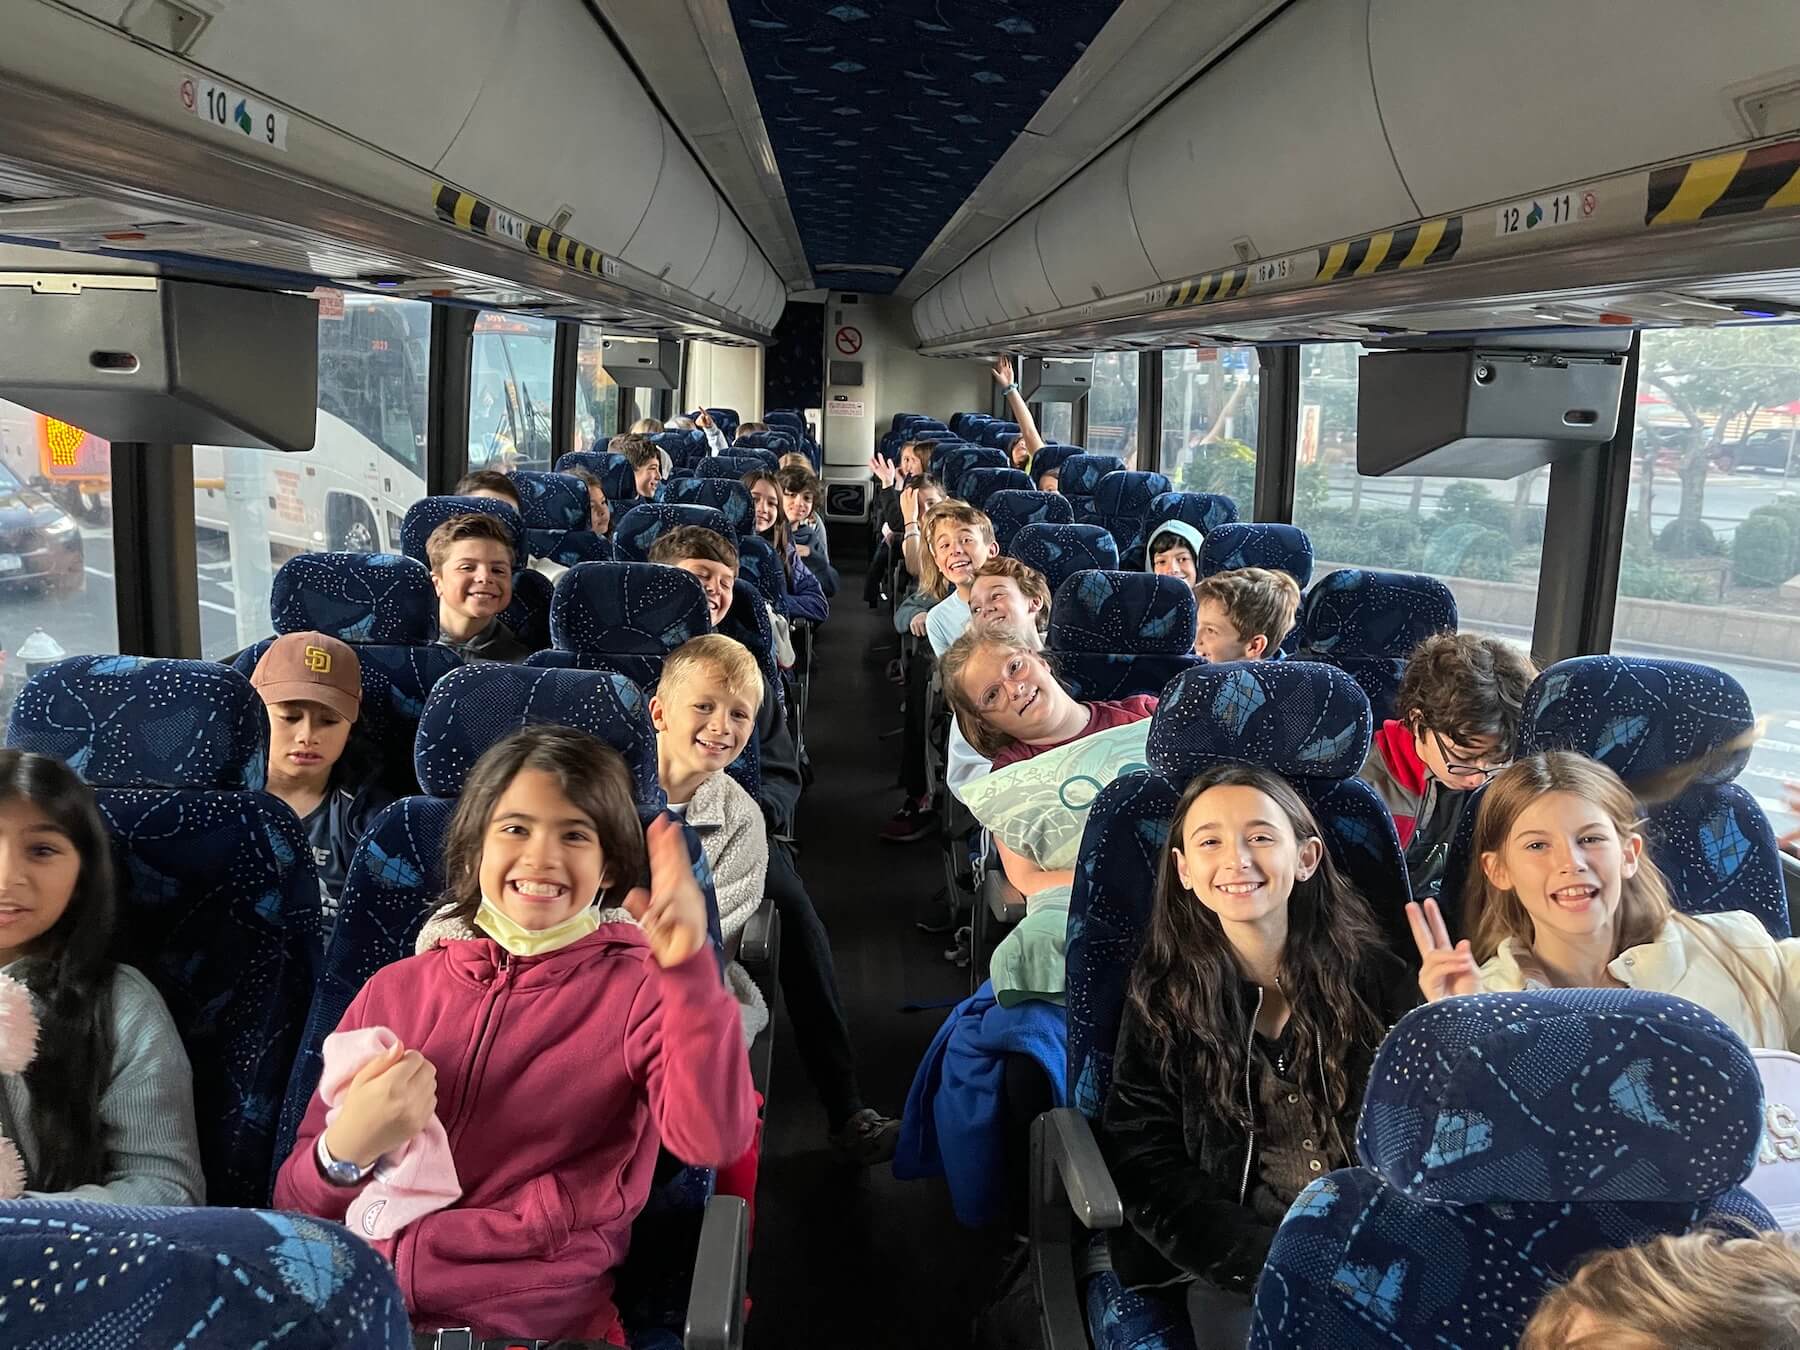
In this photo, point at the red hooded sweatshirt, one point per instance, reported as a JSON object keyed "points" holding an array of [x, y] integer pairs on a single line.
{"points": [[558, 1076]]}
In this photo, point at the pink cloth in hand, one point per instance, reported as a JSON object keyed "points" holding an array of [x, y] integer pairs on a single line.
{"points": [[411, 1182]]}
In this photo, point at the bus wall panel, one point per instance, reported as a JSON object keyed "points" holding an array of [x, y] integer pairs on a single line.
{"points": [[402, 74], [1488, 102], [1281, 143], [678, 229], [1086, 237]]}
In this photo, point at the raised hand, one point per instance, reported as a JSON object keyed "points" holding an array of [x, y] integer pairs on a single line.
{"points": [[909, 505], [1003, 371], [883, 471], [704, 421], [672, 913], [1445, 968], [388, 1101]]}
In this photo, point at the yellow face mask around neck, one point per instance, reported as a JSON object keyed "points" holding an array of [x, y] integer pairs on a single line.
{"points": [[522, 941]]}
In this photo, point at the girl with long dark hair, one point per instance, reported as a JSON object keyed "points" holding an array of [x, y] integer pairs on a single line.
{"points": [[806, 598], [1250, 1024], [105, 1112]]}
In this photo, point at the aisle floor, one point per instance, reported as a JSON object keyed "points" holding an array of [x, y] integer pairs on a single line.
{"points": [[846, 1257]]}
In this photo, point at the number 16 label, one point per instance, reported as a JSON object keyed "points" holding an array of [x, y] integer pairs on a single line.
{"points": [[235, 113]]}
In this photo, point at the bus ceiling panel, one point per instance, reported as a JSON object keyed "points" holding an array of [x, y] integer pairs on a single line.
{"points": [[978, 293], [678, 228], [724, 267], [1085, 234], [1489, 102], [1018, 271], [402, 74], [594, 150], [1280, 144], [284, 189]]}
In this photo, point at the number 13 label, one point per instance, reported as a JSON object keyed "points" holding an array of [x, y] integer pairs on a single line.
{"points": [[236, 113]]}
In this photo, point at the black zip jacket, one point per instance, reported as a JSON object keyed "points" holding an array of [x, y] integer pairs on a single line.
{"points": [[1183, 1168]]}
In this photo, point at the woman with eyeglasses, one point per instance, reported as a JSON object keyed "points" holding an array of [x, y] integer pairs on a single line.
{"points": [[1459, 720]]}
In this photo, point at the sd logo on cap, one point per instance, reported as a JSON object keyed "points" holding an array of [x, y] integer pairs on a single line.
{"points": [[311, 668]]}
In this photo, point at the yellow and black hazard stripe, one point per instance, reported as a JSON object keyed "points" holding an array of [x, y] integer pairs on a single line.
{"points": [[1740, 181], [1420, 245], [469, 213], [1213, 286]]}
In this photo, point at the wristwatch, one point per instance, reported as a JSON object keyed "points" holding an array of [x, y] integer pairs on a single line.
{"points": [[340, 1173]]}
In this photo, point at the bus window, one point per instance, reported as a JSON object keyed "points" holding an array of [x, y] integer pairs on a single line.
{"points": [[1482, 538], [1056, 422], [1711, 566], [596, 396], [510, 381], [56, 563], [1209, 421], [1113, 406], [348, 493]]}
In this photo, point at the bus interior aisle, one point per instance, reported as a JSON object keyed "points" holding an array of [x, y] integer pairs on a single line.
{"points": [[844, 1255]]}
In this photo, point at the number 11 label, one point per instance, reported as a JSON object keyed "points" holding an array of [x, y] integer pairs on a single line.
{"points": [[1543, 213], [236, 113]]}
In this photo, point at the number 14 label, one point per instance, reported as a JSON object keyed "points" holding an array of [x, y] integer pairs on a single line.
{"points": [[1543, 213], [236, 113]]}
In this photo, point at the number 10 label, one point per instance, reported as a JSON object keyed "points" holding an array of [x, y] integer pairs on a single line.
{"points": [[236, 113]]}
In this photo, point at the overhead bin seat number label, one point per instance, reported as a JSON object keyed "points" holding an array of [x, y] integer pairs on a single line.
{"points": [[1275, 269], [506, 226], [235, 113], [1548, 212]]}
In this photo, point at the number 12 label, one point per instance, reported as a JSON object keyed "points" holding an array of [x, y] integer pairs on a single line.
{"points": [[1540, 213], [236, 113]]}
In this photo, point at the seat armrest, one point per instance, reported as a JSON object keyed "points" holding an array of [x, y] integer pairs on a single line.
{"points": [[1074, 1167], [715, 1311], [1068, 1174], [757, 940], [1004, 902]]}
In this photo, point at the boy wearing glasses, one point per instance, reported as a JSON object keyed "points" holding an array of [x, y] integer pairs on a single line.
{"points": [[1459, 707]]}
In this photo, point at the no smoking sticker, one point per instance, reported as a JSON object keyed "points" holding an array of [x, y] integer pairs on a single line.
{"points": [[849, 341]]}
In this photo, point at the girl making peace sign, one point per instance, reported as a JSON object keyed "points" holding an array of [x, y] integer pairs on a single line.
{"points": [[1567, 900]]}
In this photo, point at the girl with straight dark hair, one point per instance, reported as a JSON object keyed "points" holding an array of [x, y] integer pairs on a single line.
{"points": [[105, 1110], [1251, 1022]]}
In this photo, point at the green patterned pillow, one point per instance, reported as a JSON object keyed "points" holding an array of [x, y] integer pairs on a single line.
{"points": [[1038, 807]]}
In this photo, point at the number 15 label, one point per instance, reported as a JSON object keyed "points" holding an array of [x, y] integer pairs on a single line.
{"points": [[236, 113]]}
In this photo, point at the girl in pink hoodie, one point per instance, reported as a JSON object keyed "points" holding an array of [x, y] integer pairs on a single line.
{"points": [[562, 1026]]}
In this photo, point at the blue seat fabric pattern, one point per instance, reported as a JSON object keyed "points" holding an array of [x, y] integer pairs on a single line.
{"points": [[426, 514], [1060, 551], [1503, 1138], [618, 479], [119, 1277], [1011, 511], [551, 501], [528, 613], [1121, 633], [219, 904], [627, 609], [566, 548], [758, 565], [355, 597], [980, 485], [1205, 511], [1280, 548], [643, 525], [726, 495], [1367, 623], [1122, 503]]}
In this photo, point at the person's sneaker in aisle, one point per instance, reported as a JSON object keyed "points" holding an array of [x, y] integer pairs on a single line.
{"points": [[964, 950], [867, 1138], [912, 821]]}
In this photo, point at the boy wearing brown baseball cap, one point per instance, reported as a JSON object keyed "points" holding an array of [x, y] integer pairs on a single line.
{"points": [[312, 687]]}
